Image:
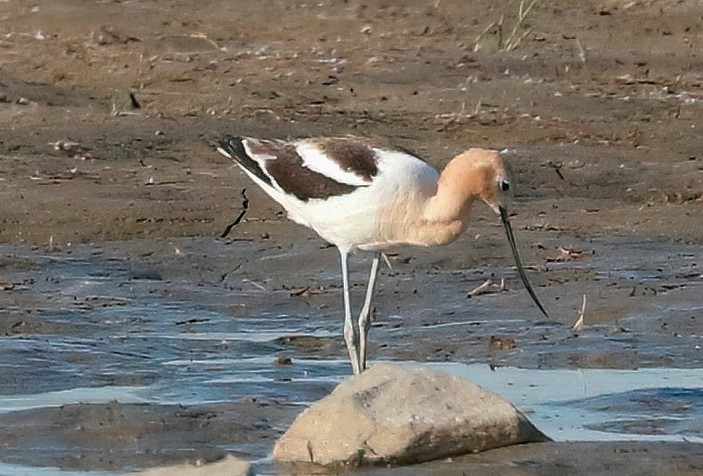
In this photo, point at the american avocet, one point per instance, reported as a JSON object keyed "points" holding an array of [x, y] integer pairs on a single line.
{"points": [[357, 195]]}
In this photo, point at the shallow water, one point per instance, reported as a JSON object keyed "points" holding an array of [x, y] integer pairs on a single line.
{"points": [[109, 330], [600, 404]]}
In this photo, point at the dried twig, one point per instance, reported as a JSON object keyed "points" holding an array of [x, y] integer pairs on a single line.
{"points": [[302, 292], [386, 260], [133, 101], [578, 325], [565, 254], [245, 207], [488, 287], [582, 52], [255, 284], [557, 166]]}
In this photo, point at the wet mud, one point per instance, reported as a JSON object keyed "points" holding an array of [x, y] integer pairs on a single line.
{"points": [[133, 336]]}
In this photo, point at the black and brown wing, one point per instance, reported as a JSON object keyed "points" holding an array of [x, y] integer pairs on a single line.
{"points": [[306, 169]]}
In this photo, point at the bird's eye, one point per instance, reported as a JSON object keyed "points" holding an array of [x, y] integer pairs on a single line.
{"points": [[504, 185]]}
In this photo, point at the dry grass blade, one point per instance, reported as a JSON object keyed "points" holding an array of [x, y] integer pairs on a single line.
{"points": [[518, 33], [516, 37], [479, 38]]}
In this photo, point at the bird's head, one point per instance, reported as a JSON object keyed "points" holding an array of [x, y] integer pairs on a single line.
{"points": [[481, 173]]}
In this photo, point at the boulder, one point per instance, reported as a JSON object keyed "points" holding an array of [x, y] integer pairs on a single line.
{"points": [[399, 415], [228, 466]]}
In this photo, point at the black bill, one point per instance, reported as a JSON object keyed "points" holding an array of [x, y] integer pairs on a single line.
{"points": [[520, 269]]}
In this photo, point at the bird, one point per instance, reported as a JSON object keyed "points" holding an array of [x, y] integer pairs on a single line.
{"points": [[361, 195]]}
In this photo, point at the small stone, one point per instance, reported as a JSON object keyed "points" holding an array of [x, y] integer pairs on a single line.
{"points": [[502, 343], [228, 466]]}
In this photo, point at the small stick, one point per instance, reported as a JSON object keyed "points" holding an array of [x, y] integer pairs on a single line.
{"points": [[255, 284], [557, 168], [245, 207], [500, 32], [133, 101], [489, 286], [582, 52], [386, 260], [578, 325]]}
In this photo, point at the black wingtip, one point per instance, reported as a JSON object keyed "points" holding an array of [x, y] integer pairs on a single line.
{"points": [[231, 146]]}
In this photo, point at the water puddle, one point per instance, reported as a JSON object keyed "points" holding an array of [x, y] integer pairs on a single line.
{"points": [[12, 403], [600, 404], [90, 328]]}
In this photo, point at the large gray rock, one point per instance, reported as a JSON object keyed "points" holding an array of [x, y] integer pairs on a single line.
{"points": [[397, 415]]}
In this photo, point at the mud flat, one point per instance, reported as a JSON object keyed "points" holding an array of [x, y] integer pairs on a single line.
{"points": [[133, 337]]}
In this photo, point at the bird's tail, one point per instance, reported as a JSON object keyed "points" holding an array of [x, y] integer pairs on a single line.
{"points": [[231, 147], [234, 148]]}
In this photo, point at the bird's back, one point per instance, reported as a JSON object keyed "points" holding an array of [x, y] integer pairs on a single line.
{"points": [[352, 192]]}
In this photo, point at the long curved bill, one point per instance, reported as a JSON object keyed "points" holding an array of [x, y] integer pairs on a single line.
{"points": [[520, 269]]}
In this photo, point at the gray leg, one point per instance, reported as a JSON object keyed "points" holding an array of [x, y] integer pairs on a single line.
{"points": [[365, 316], [351, 333]]}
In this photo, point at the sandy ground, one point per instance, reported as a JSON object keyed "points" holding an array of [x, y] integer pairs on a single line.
{"points": [[106, 125]]}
